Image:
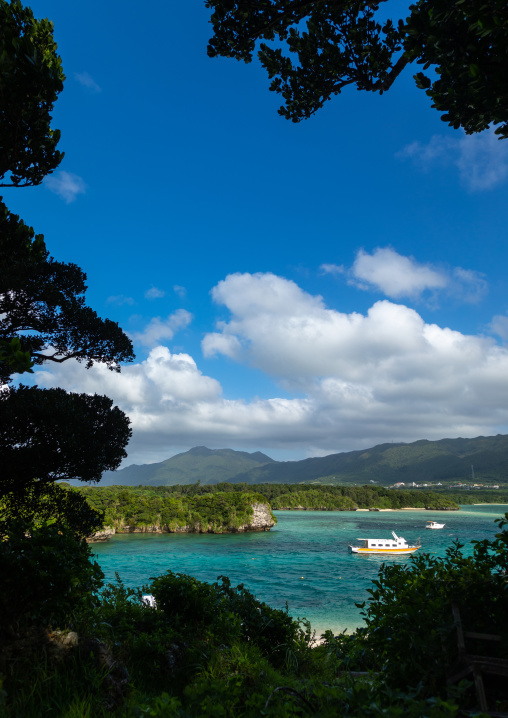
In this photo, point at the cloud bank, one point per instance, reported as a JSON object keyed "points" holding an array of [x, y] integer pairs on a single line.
{"points": [[340, 381]]}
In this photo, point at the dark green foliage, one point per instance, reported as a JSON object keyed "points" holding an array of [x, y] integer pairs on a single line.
{"points": [[46, 574], [31, 79], [204, 651], [47, 435], [13, 359], [468, 496], [185, 599], [319, 499], [145, 640], [410, 631], [225, 614], [318, 48], [349, 498], [206, 511], [467, 43], [65, 508], [215, 650], [226, 507], [272, 630], [330, 51]]}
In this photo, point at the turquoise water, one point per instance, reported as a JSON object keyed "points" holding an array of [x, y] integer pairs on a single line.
{"points": [[303, 561]]}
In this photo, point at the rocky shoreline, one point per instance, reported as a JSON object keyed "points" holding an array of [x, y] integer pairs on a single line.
{"points": [[261, 520]]}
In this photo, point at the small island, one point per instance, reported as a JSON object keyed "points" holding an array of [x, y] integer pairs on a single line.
{"points": [[150, 510]]}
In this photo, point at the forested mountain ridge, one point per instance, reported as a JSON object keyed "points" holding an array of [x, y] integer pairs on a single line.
{"points": [[421, 461], [446, 460], [209, 466]]}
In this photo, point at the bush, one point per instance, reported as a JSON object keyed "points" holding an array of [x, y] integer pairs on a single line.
{"points": [[272, 630], [46, 574], [410, 630], [228, 614]]}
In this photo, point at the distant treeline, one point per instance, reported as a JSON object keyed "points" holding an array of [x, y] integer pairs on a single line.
{"points": [[476, 496], [225, 506], [149, 506], [344, 498]]}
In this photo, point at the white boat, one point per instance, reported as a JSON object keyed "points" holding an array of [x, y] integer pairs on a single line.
{"points": [[434, 525], [397, 545]]}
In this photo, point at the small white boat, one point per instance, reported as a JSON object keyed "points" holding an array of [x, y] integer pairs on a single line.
{"points": [[397, 545], [434, 525]]}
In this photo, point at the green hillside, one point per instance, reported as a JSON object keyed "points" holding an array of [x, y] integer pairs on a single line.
{"points": [[209, 466], [447, 460]]}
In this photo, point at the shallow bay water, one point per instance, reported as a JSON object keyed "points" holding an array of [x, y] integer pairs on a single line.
{"points": [[303, 561]]}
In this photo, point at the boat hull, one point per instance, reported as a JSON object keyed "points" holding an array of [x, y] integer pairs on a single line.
{"points": [[393, 551]]}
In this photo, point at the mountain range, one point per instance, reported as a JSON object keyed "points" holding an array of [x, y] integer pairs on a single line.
{"points": [[209, 466], [447, 460]]}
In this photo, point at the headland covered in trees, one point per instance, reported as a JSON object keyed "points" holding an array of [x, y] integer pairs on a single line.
{"points": [[220, 508]]}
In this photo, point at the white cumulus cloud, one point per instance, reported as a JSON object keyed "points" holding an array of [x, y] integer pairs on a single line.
{"points": [[341, 381], [395, 275], [66, 185], [162, 329]]}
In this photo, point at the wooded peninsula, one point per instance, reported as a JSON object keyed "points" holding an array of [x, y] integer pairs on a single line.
{"points": [[227, 507]]}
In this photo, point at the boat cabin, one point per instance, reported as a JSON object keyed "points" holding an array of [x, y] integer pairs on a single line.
{"points": [[396, 542], [376, 545]]}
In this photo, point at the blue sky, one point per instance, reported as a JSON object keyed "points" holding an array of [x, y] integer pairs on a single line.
{"points": [[299, 289]]}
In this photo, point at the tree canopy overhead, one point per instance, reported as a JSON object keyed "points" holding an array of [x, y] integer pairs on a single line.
{"points": [[31, 79], [42, 304], [49, 435], [318, 47], [45, 434]]}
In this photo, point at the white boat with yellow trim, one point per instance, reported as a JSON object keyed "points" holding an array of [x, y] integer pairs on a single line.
{"points": [[397, 545]]}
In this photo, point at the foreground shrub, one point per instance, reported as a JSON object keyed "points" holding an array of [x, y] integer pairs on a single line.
{"points": [[214, 650], [229, 614], [410, 634], [47, 575]]}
